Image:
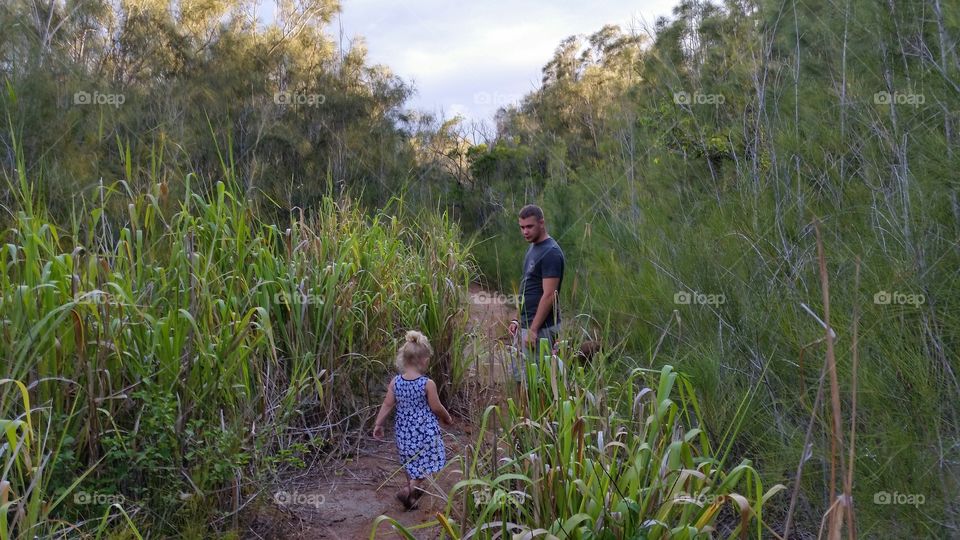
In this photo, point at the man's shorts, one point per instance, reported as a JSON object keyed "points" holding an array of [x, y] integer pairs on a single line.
{"points": [[521, 351]]}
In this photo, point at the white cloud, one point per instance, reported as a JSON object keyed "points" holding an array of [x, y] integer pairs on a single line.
{"points": [[474, 57]]}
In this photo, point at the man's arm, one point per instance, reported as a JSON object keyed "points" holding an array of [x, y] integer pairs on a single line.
{"points": [[552, 271], [550, 285]]}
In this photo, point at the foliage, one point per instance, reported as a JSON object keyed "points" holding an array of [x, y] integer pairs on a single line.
{"points": [[698, 176], [183, 356]]}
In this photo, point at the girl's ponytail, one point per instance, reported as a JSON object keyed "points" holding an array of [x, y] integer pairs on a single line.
{"points": [[415, 346]]}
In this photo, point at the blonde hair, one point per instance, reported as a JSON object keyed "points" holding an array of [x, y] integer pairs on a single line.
{"points": [[415, 347]]}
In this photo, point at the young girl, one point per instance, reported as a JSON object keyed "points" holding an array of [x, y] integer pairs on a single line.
{"points": [[418, 408]]}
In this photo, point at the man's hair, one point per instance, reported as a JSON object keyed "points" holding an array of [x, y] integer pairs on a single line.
{"points": [[531, 210]]}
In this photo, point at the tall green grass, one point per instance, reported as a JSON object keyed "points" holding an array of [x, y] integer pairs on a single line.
{"points": [[628, 270], [164, 361], [602, 452]]}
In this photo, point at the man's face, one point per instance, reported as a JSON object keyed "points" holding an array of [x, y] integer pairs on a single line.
{"points": [[531, 228]]}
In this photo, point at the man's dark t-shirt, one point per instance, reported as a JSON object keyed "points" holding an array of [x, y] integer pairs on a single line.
{"points": [[543, 260]]}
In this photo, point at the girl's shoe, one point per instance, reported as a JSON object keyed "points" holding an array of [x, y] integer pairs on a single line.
{"points": [[414, 497], [404, 497]]}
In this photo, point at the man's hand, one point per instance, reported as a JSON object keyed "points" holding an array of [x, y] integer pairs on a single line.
{"points": [[513, 327], [531, 337], [378, 432]]}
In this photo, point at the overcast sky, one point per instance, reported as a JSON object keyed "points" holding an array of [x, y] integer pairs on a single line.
{"points": [[470, 58]]}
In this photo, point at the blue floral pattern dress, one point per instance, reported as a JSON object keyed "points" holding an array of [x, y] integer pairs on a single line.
{"points": [[417, 428]]}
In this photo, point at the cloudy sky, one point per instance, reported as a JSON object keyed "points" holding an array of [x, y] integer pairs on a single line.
{"points": [[470, 58]]}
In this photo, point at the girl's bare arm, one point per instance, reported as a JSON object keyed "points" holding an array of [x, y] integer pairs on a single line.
{"points": [[388, 402], [433, 399]]}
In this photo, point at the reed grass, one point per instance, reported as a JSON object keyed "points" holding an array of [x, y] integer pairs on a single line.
{"points": [[596, 452], [164, 358]]}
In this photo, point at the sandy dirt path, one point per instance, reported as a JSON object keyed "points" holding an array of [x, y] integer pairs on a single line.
{"points": [[343, 500]]}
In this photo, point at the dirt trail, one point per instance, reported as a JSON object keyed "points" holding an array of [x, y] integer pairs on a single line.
{"points": [[343, 500]]}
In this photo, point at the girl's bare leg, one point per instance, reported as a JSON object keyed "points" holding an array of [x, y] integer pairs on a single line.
{"points": [[404, 494]]}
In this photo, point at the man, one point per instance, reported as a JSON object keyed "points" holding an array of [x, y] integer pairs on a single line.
{"points": [[538, 316]]}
